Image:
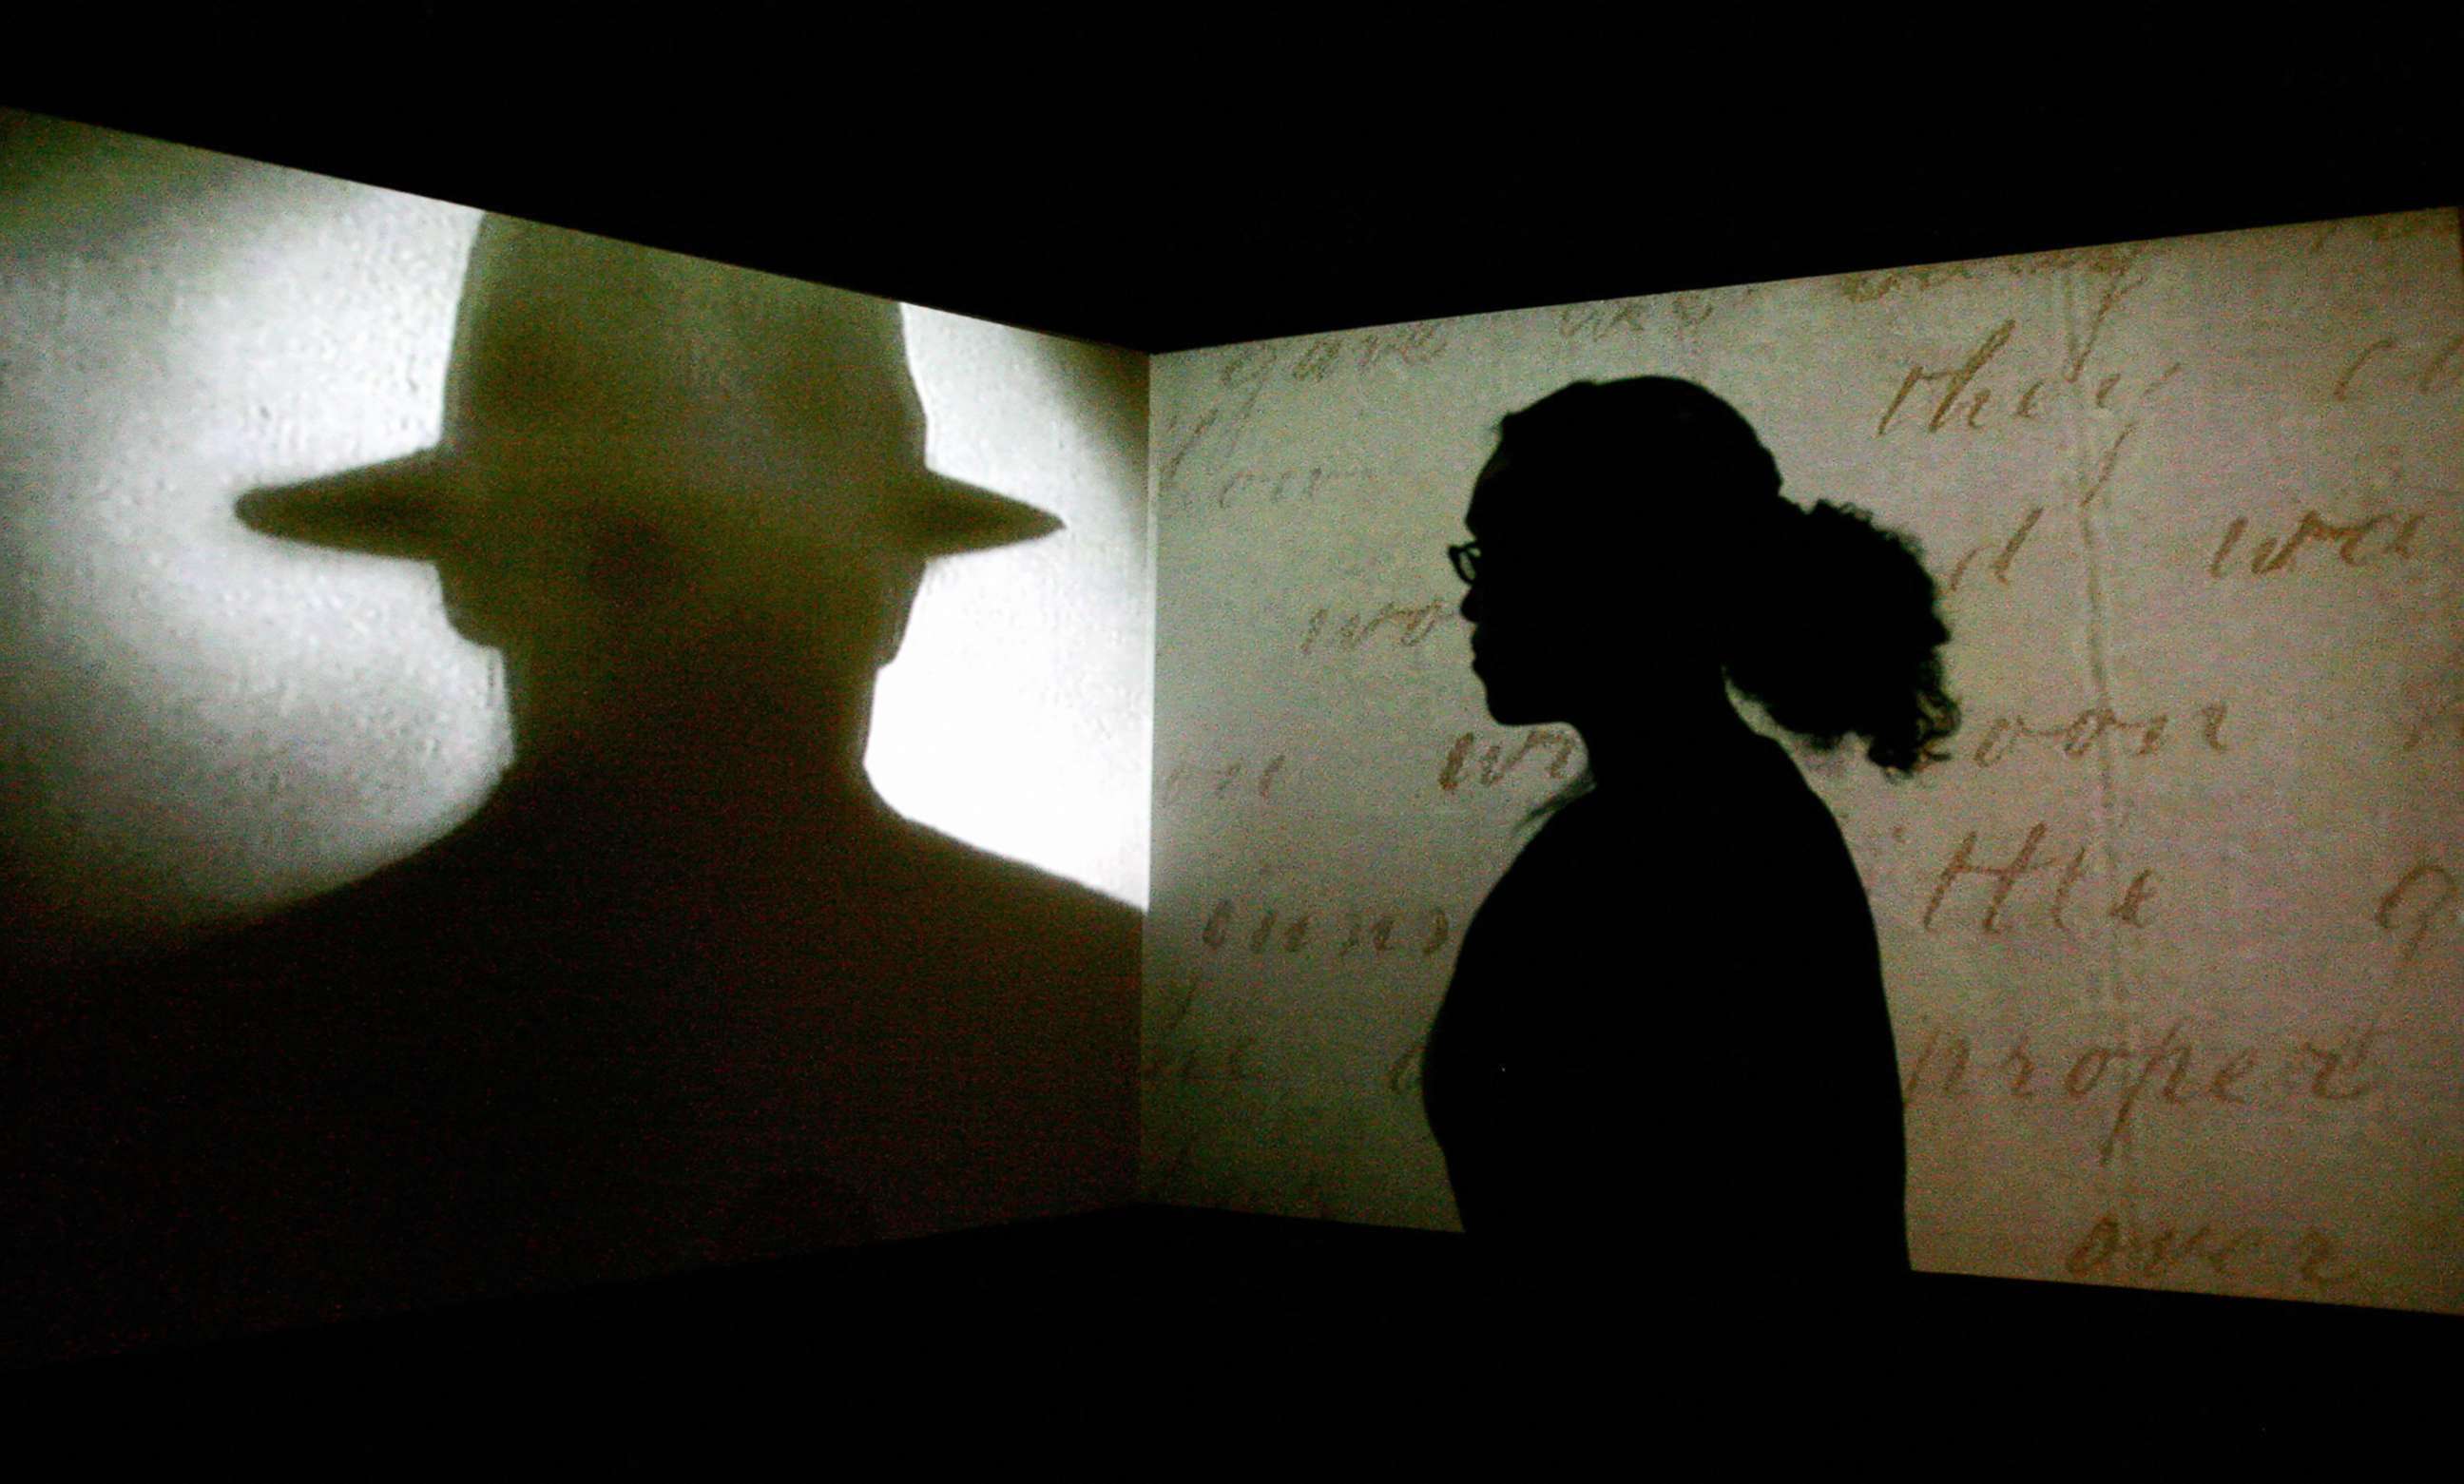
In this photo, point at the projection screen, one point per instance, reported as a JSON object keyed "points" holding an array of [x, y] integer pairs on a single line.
{"points": [[2170, 929], [627, 764]]}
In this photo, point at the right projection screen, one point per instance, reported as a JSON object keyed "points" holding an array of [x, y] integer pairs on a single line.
{"points": [[2171, 931]]}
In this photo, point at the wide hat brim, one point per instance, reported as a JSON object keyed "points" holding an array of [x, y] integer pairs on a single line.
{"points": [[405, 508]]}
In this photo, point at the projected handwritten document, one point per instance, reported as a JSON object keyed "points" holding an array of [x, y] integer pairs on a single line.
{"points": [[2171, 926]]}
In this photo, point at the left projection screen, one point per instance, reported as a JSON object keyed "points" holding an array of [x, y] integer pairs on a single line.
{"points": [[535, 761]]}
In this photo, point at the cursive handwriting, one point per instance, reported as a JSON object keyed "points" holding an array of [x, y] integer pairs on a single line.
{"points": [[1864, 288], [2426, 893], [1598, 322], [1187, 782], [1370, 933], [2341, 1070], [2110, 290], [2394, 530], [2129, 908], [2113, 261], [2079, 735], [1495, 765], [2389, 366], [2114, 1249], [1180, 1059], [2102, 475], [1412, 624], [1262, 486], [1417, 344], [2000, 567], [1242, 378], [1966, 402]]}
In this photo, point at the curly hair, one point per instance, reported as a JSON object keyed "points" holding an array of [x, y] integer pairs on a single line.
{"points": [[1844, 639], [1855, 649]]}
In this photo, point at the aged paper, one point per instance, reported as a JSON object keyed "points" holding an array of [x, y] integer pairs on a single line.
{"points": [[2171, 931]]}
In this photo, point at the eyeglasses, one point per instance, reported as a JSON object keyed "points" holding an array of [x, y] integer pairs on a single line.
{"points": [[1467, 560]]}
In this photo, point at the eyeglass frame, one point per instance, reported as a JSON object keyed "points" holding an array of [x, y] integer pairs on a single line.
{"points": [[1465, 559]]}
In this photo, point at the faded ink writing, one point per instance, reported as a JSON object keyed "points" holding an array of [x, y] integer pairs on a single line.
{"points": [[2394, 530], [2114, 1249], [2340, 1070], [1494, 765], [2079, 735], [1411, 625], [2421, 899], [2131, 908], [1363, 934], [2394, 367], [1187, 782]]}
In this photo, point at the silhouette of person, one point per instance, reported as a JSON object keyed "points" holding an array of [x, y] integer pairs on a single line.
{"points": [[1676, 987], [683, 990]]}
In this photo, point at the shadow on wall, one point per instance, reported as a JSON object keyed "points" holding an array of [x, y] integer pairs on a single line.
{"points": [[684, 990]]}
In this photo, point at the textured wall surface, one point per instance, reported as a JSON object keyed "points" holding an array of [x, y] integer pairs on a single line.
{"points": [[1017, 716], [2172, 935], [203, 720]]}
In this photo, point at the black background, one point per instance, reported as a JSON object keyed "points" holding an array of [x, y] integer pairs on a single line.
{"points": [[1182, 193]]}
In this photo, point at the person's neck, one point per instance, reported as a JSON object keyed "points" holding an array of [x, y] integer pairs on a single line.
{"points": [[707, 770], [1642, 741]]}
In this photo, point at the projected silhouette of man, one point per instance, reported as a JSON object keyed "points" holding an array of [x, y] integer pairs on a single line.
{"points": [[684, 988], [1666, 1048]]}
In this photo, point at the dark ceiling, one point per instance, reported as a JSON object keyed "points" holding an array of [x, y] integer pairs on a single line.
{"points": [[1214, 204]]}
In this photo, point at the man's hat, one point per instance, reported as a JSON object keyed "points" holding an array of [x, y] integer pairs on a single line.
{"points": [[660, 385]]}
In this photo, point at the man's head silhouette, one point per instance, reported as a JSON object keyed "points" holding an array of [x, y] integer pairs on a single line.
{"points": [[659, 476]]}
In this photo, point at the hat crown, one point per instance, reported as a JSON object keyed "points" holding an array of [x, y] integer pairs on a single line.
{"points": [[596, 377], [638, 369]]}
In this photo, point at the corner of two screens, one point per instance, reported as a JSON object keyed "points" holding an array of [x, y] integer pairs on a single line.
{"points": [[745, 645]]}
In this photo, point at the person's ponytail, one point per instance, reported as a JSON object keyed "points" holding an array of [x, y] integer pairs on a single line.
{"points": [[1834, 630], [1844, 638]]}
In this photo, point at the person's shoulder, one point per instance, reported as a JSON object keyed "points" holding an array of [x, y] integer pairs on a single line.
{"points": [[991, 909], [395, 916], [1747, 786], [1007, 887]]}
